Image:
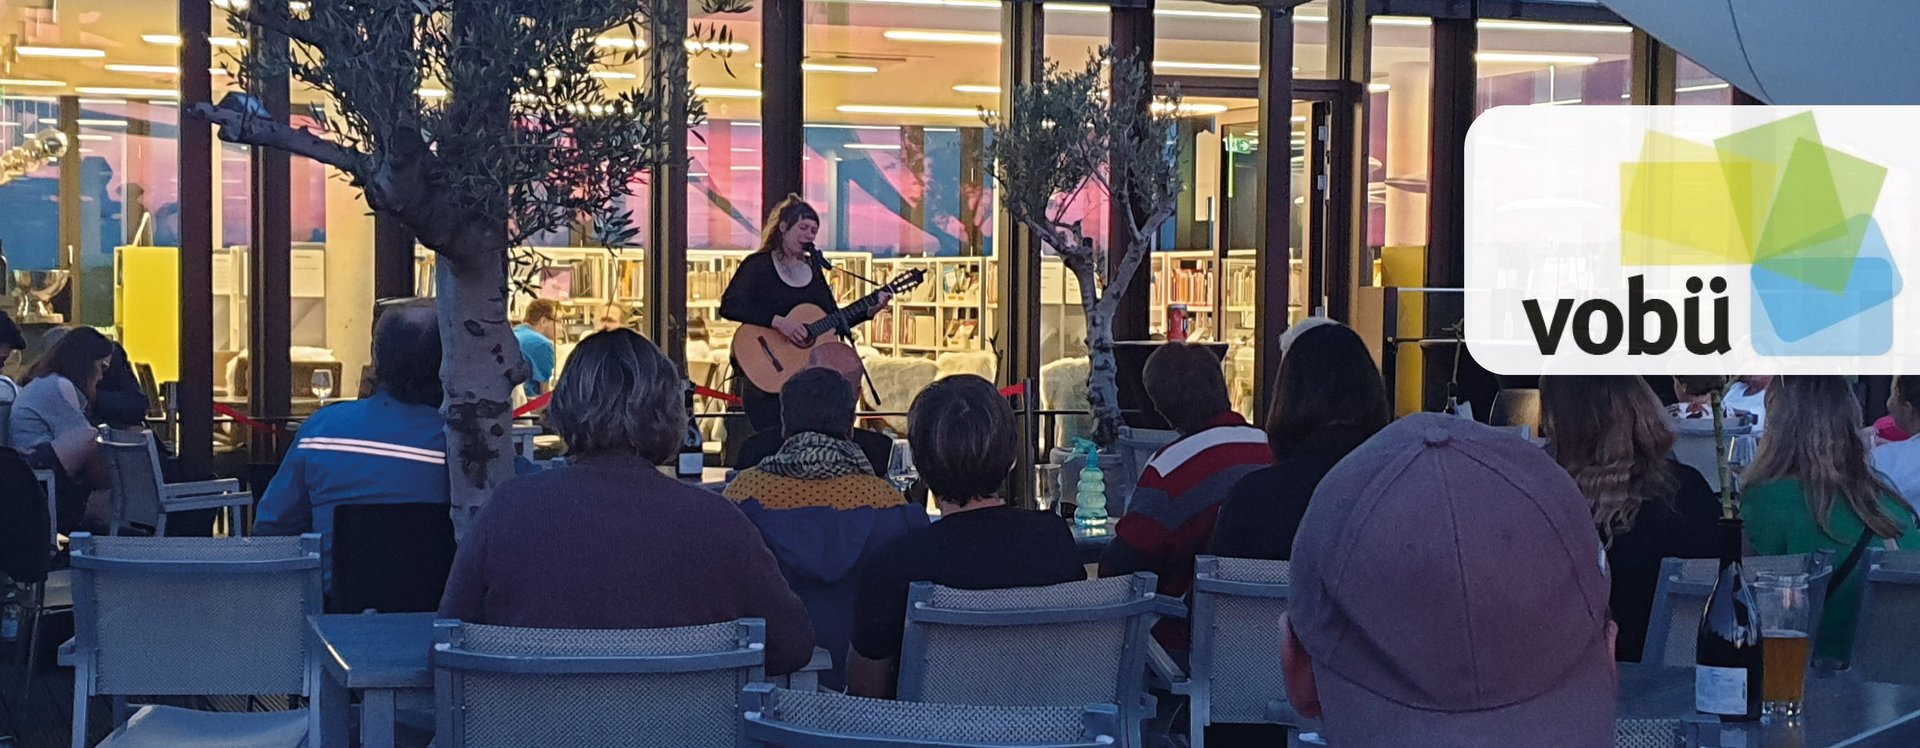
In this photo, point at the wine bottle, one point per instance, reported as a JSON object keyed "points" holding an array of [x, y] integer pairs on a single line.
{"points": [[1728, 663], [693, 453]]}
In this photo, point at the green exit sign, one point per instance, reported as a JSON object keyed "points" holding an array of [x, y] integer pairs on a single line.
{"points": [[1241, 145]]}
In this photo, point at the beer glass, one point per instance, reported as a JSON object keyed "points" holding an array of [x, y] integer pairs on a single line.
{"points": [[1784, 645]]}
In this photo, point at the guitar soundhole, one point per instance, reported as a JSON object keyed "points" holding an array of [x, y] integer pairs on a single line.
{"points": [[770, 356]]}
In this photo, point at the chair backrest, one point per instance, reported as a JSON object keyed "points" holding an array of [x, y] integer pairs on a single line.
{"points": [[1068, 644], [1883, 649], [393, 558], [133, 466], [1235, 663], [193, 616], [505, 686], [1649, 733], [812, 719], [1515, 407], [1682, 593]]}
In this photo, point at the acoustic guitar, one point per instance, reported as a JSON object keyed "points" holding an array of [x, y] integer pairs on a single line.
{"points": [[769, 359]]}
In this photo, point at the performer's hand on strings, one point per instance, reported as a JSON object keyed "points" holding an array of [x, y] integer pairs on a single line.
{"points": [[796, 333], [886, 297]]}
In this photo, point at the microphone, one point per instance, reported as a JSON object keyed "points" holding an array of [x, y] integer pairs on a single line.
{"points": [[819, 258]]}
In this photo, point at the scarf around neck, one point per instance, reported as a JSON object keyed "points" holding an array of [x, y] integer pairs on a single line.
{"points": [[815, 456]]}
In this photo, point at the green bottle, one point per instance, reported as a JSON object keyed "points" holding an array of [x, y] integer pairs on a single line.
{"points": [[1091, 496]]}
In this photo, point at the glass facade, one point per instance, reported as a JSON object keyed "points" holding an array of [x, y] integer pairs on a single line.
{"points": [[893, 157]]}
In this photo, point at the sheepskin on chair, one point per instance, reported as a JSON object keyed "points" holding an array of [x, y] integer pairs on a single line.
{"points": [[980, 363], [1063, 386], [898, 379]]}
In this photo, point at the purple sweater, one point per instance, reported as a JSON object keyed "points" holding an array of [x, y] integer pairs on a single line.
{"points": [[609, 542]]}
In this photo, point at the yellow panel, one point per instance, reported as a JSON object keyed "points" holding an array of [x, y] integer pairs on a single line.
{"points": [[146, 307], [1406, 267]]}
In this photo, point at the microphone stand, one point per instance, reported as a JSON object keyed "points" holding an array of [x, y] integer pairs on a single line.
{"points": [[819, 260]]}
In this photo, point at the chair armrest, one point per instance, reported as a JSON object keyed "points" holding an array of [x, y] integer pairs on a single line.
{"points": [[1163, 673], [807, 678], [202, 488], [1169, 607], [65, 654], [206, 501]]}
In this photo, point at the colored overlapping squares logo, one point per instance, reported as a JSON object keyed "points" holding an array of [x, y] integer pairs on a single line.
{"points": [[1798, 213]]}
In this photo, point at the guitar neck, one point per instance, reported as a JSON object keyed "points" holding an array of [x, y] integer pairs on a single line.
{"points": [[838, 318]]}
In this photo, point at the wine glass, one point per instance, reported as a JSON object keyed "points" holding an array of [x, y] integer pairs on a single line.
{"points": [[322, 383], [900, 469]]}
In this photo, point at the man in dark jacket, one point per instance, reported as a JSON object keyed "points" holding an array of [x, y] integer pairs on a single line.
{"points": [[820, 507]]}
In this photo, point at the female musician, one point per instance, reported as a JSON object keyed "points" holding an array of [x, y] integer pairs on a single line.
{"points": [[774, 280]]}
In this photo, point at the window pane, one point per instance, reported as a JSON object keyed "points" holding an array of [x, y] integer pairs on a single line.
{"points": [[1531, 62]]}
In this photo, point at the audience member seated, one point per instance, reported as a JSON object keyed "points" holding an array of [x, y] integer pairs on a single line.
{"points": [[821, 508], [1899, 460], [119, 399], [1448, 590], [1748, 394], [1810, 488], [538, 329], [768, 438], [1611, 435], [964, 444], [51, 423], [1171, 515], [390, 448], [10, 341], [608, 541], [1327, 399]]}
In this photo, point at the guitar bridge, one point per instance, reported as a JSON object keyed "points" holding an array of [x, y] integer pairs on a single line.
{"points": [[770, 356]]}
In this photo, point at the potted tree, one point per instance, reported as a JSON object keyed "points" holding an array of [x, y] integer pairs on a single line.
{"points": [[477, 124], [1096, 130]]}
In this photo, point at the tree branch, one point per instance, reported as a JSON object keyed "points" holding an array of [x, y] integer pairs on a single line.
{"points": [[240, 126]]}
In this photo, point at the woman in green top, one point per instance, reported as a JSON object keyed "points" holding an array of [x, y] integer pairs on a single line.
{"points": [[1811, 488]]}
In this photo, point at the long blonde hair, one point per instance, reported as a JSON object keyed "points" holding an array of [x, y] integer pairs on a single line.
{"points": [[1812, 435], [1612, 436]]}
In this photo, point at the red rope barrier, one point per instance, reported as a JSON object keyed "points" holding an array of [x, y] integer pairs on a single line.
{"points": [[1014, 390], [533, 405], [717, 395], [243, 420]]}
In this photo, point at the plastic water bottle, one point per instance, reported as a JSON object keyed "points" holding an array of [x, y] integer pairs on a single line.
{"points": [[1090, 499]]}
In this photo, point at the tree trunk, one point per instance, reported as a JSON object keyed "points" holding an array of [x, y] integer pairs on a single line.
{"points": [[480, 364], [1103, 384]]}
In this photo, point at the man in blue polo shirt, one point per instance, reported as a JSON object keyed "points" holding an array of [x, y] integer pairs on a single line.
{"points": [[390, 448], [538, 329]]}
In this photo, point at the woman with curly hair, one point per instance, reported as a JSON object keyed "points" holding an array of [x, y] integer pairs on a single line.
{"points": [[1612, 436]]}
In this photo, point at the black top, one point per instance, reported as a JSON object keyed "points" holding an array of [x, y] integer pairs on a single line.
{"points": [[980, 549], [118, 399], [1679, 526], [877, 447], [1264, 509], [757, 294]]}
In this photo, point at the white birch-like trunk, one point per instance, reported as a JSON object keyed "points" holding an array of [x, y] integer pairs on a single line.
{"points": [[480, 364], [1103, 384]]}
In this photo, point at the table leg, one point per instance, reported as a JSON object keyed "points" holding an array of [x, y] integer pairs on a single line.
{"points": [[376, 718], [331, 700]]}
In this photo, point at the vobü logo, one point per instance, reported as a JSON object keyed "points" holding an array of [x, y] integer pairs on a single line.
{"points": [[1737, 241], [1798, 213]]}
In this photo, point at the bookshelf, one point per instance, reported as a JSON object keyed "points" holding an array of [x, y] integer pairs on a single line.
{"points": [[953, 310]]}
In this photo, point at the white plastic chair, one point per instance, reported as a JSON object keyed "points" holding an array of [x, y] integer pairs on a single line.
{"points": [[142, 497], [189, 617]]}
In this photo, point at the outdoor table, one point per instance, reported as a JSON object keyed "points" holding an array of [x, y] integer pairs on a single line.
{"points": [[384, 656], [1090, 542], [1840, 711]]}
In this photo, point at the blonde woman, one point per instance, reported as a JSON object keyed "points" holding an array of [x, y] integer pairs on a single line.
{"points": [[1612, 436], [1811, 488]]}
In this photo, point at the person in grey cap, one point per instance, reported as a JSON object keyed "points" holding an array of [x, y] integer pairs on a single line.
{"points": [[1449, 590]]}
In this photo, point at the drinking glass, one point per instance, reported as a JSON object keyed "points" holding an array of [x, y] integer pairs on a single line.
{"points": [[322, 383], [1046, 486], [900, 469], [1784, 646], [1740, 451]]}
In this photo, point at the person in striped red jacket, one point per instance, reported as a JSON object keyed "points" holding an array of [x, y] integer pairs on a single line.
{"points": [[1171, 515]]}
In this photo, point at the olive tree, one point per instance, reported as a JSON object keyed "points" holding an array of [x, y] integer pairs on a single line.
{"points": [[1090, 131], [478, 124]]}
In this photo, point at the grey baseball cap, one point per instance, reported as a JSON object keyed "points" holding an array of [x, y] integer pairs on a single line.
{"points": [[1452, 591]]}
